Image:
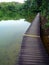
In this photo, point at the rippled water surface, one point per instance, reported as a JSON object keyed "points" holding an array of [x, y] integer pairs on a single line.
{"points": [[11, 35]]}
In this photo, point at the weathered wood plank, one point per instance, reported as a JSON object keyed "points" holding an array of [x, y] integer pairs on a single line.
{"points": [[32, 49]]}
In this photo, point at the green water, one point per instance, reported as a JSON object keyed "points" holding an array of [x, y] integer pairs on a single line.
{"points": [[11, 35]]}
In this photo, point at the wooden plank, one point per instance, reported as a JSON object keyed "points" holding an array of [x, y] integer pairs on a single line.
{"points": [[32, 49]]}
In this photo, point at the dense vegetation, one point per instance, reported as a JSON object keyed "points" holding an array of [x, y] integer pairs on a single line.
{"points": [[10, 10], [13, 10], [27, 10]]}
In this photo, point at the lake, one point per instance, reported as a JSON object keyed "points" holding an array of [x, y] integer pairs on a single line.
{"points": [[11, 35]]}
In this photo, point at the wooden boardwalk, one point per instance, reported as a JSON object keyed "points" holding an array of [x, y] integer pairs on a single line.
{"points": [[32, 49]]}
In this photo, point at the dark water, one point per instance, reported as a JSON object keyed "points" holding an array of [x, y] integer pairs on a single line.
{"points": [[11, 34]]}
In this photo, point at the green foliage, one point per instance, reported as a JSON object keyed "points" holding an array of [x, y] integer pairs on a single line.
{"points": [[10, 10], [27, 10], [47, 25], [32, 7]]}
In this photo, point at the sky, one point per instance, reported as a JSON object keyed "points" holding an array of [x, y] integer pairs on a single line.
{"points": [[21, 1]]}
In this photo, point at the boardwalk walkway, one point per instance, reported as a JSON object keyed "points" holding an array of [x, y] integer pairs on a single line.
{"points": [[32, 49]]}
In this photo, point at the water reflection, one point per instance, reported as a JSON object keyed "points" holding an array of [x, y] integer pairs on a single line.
{"points": [[11, 34]]}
